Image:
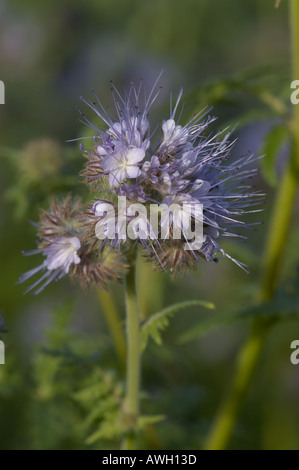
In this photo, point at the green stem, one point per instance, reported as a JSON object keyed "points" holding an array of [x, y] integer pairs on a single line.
{"points": [[251, 351], [275, 248], [294, 12], [246, 365], [114, 325], [278, 232], [131, 403]]}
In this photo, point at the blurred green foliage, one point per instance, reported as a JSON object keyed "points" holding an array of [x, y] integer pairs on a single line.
{"points": [[62, 383]]}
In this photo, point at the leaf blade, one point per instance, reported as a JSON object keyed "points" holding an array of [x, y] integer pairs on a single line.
{"points": [[160, 320]]}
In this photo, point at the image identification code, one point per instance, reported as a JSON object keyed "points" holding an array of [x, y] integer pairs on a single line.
{"points": [[165, 459]]}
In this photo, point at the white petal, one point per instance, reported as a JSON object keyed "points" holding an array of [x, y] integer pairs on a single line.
{"points": [[144, 126], [135, 155], [146, 166], [155, 160], [115, 130], [146, 144], [132, 171], [63, 253], [101, 151], [75, 242], [178, 130], [77, 259], [108, 163], [113, 161], [116, 177], [100, 207], [168, 127]]}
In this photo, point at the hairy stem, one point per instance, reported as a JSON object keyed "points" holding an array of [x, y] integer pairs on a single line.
{"points": [[275, 248], [131, 403]]}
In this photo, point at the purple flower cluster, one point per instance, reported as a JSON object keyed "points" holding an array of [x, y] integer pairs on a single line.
{"points": [[175, 164], [172, 164]]}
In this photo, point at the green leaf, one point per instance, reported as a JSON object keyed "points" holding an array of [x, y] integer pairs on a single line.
{"points": [[160, 320], [144, 421], [246, 119], [113, 427], [262, 82], [106, 406], [92, 393], [271, 147], [279, 309], [204, 327]]}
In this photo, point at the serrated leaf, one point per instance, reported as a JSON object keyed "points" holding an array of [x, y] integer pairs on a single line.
{"points": [[271, 147], [104, 407], [112, 428], [92, 393], [160, 320], [144, 421]]}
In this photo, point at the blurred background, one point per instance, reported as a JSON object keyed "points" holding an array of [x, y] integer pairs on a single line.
{"points": [[231, 55]]}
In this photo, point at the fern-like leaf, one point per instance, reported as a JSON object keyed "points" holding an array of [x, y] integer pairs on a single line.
{"points": [[111, 428], [144, 421], [160, 320]]}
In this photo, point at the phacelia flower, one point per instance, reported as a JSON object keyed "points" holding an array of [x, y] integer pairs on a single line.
{"points": [[67, 251], [60, 255], [180, 163], [175, 164], [122, 163]]}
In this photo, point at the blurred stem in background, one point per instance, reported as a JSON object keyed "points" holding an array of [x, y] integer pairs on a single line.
{"points": [[114, 325], [131, 403], [274, 251]]}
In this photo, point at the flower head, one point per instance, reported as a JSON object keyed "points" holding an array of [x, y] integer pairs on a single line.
{"points": [[180, 165], [176, 165], [60, 255], [67, 250]]}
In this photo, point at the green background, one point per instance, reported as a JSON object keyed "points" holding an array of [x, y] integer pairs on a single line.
{"points": [[226, 54]]}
